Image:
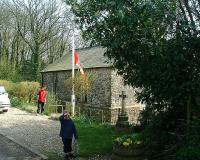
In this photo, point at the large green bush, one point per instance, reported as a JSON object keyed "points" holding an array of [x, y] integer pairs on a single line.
{"points": [[154, 45], [190, 145], [16, 102], [26, 90]]}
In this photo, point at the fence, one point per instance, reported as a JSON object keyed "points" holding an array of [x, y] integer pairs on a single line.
{"points": [[102, 115], [98, 114]]}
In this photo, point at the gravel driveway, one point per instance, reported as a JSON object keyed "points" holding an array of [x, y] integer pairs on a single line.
{"points": [[35, 131]]}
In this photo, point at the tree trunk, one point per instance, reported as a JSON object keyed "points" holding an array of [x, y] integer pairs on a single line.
{"points": [[35, 62]]}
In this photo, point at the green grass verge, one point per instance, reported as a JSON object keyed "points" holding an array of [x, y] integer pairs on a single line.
{"points": [[94, 138], [53, 156]]}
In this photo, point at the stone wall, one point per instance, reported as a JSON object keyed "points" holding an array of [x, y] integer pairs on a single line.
{"points": [[132, 108], [132, 112], [99, 96], [109, 114], [103, 99], [99, 114], [117, 86], [54, 82]]}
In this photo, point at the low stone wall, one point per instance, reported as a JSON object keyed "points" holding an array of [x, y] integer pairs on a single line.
{"points": [[132, 112], [100, 114], [109, 115]]}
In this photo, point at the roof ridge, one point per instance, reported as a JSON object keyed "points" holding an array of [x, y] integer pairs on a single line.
{"points": [[90, 57], [85, 48]]}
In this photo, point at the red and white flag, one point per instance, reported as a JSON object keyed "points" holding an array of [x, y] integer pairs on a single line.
{"points": [[77, 63]]}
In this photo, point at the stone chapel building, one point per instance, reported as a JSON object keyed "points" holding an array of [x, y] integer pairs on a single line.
{"points": [[103, 99]]}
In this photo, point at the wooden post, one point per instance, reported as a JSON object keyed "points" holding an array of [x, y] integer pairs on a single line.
{"points": [[90, 112], [102, 116], [62, 108], [79, 111]]}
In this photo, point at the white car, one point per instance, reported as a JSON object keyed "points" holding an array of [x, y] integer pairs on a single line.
{"points": [[4, 100]]}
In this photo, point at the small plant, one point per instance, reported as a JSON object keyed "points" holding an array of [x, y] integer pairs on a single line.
{"points": [[16, 102], [50, 102], [82, 83], [127, 141]]}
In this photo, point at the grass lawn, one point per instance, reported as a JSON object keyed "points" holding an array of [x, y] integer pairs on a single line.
{"points": [[94, 138]]}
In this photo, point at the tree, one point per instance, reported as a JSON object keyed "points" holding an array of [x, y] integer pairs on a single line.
{"points": [[43, 27], [33, 34], [35, 23], [154, 45], [82, 84]]}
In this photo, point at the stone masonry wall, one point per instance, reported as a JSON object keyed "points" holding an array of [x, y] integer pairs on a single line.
{"points": [[132, 112], [117, 86], [62, 92], [99, 96], [49, 79], [132, 108], [103, 99]]}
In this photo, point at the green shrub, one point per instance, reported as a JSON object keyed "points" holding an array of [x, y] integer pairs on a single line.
{"points": [[189, 153], [16, 102], [51, 100], [26, 90], [8, 85], [160, 132], [190, 145]]}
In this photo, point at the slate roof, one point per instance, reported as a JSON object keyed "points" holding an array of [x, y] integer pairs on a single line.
{"points": [[89, 57]]}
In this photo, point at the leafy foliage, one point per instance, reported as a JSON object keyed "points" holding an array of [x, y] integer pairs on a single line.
{"points": [[190, 147], [7, 84], [150, 48], [155, 46], [33, 34], [7, 71], [50, 101], [82, 83], [16, 102], [26, 90], [21, 91]]}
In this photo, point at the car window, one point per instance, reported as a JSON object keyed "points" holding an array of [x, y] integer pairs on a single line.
{"points": [[2, 89]]}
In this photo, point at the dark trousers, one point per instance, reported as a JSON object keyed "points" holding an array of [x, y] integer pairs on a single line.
{"points": [[67, 142], [40, 107]]}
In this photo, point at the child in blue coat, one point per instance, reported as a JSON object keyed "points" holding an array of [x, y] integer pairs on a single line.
{"points": [[67, 131]]}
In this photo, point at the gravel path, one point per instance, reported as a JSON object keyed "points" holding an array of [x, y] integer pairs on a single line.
{"points": [[10, 150], [37, 132]]}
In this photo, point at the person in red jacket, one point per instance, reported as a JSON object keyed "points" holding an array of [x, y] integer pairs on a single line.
{"points": [[41, 99]]}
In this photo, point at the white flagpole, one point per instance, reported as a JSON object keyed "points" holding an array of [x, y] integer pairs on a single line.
{"points": [[73, 95]]}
